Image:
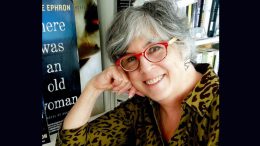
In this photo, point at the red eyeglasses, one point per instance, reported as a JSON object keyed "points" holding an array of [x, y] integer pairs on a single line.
{"points": [[153, 53]]}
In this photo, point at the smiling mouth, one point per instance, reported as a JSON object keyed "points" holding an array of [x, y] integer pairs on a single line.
{"points": [[154, 80]]}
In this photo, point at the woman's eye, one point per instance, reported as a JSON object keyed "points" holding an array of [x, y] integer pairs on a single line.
{"points": [[131, 59], [154, 49]]}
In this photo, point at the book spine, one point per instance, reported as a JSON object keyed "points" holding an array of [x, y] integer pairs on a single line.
{"points": [[199, 57], [194, 17], [197, 7], [216, 31], [206, 15], [204, 57], [207, 55], [200, 5], [122, 4], [216, 62], [189, 14], [210, 58], [213, 17]]}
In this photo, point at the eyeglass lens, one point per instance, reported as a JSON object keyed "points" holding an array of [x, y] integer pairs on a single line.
{"points": [[154, 53]]}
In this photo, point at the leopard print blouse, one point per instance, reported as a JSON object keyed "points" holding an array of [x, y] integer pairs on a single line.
{"points": [[134, 122]]}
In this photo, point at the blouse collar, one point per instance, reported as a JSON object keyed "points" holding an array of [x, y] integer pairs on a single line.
{"points": [[205, 90]]}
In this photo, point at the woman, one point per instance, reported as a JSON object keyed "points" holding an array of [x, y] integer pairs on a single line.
{"points": [[172, 100]]}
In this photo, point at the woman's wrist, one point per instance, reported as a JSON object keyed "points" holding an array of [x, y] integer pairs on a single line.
{"points": [[90, 88]]}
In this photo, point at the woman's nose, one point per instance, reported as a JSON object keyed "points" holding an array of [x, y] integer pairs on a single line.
{"points": [[144, 64]]}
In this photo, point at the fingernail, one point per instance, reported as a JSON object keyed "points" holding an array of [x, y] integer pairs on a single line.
{"points": [[130, 95]]}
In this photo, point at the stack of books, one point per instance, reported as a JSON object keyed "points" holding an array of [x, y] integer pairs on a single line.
{"points": [[208, 55]]}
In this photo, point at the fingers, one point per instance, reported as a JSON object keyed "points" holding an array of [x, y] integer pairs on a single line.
{"points": [[108, 79], [122, 84], [118, 78], [125, 85], [114, 78], [140, 94], [133, 91]]}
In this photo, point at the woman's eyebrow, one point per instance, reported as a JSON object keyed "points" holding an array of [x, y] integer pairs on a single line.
{"points": [[145, 45]]}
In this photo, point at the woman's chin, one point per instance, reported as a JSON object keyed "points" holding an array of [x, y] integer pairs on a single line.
{"points": [[158, 96]]}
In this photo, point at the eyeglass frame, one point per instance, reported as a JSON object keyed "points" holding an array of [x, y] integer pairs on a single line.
{"points": [[138, 55]]}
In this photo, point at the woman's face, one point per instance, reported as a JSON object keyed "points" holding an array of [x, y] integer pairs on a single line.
{"points": [[159, 80]]}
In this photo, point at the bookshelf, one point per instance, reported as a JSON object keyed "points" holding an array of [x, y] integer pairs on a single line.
{"points": [[210, 40]]}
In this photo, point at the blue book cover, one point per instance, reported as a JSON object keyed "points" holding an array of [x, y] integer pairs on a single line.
{"points": [[60, 61]]}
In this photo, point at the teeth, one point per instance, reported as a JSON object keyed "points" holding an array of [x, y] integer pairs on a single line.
{"points": [[155, 80]]}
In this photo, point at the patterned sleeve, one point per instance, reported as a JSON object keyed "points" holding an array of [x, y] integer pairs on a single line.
{"points": [[68, 137], [214, 123], [112, 128]]}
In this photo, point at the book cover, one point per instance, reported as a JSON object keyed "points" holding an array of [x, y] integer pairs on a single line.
{"points": [[60, 63], [45, 129]]}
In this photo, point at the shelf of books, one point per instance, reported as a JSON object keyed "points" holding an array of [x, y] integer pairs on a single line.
{"points": [[203, 18]]}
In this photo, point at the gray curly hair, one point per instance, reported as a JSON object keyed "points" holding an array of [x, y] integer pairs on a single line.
{"points": [[158, 17]]}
